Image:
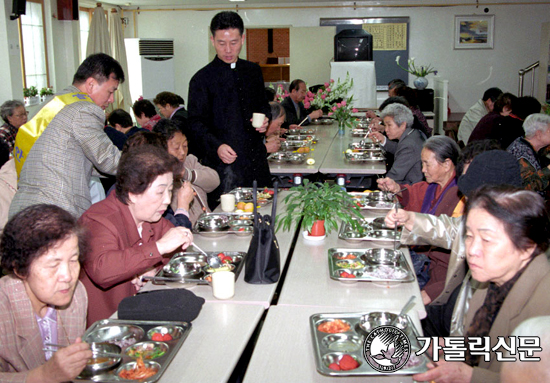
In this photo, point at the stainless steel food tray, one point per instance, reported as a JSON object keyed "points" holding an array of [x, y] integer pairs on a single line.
{"points": [[302, 131], [364, 156], [200, 276], [365, 203], [302, 137], [369, 233], [367, 146], [110, 324], [282, 157], [359, 132], [246, 195], [366, 269], [323, 341], [233, 220], [322, 121]]}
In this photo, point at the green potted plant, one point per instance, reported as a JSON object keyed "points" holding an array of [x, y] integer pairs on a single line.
{"points": [[46, 93], [320, 205], [31, 95]]}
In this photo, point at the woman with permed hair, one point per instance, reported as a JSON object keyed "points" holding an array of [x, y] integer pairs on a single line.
{"points": [[41, 299]]}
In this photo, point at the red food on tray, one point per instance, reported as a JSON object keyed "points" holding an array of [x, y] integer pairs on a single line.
{"points": [[225, 258], [333, 327], [161, 338], [347, 256], [348, 363], [345, 274], [334, 366]]}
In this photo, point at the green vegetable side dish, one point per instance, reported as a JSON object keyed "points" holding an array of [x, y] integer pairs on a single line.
{"points": [[146, 352], [350, 265]]}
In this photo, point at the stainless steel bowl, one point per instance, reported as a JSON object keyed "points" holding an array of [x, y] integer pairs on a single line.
{"points": [[382, 256], [100, 364], [121, 335], [342, 342], [182, 268], [213, 222], [243, 230], [132, 365], [297, 158], [375, 319], [279, 157], [335, 357], [174, 331], [142, 349], [380, 196]]}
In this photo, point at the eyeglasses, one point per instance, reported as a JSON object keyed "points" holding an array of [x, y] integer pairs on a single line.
{"points": [[21, 115]]}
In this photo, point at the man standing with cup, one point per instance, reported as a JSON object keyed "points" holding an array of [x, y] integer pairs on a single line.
{"points": [[223, 96]]}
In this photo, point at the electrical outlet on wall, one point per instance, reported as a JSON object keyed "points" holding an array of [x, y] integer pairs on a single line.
{"points": [[14, 49]]}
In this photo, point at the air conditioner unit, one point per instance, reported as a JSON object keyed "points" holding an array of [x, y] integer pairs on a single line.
{"points": [[150, 66]]}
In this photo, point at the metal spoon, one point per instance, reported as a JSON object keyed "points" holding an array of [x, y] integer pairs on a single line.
{"points": [[213, 260], [405, 309]]}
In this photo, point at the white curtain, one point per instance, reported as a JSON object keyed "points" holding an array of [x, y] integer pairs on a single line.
{"points": [[98, 38], [122, 95]]}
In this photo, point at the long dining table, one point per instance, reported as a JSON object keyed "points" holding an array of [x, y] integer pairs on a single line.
{"points": [[282, 351]]}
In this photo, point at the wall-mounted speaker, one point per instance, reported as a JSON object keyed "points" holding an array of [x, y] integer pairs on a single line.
{"points": [[67, 9], [18, 9]]}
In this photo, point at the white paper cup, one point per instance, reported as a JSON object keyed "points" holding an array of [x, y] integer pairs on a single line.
{"points": [[228, 202], [258, 120], [223, 284]]}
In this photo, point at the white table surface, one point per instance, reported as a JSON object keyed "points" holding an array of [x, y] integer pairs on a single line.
{"points": [[335, 162], [245, 293], [326, 134], [284, 351], [308, 282], [214, 346]]}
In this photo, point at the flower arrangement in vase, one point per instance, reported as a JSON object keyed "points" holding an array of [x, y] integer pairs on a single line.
{"points": [[316, 201], [342, 112], [419, 71]]}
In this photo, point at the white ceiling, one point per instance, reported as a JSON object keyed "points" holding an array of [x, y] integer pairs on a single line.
{"points": [[263, 3]]}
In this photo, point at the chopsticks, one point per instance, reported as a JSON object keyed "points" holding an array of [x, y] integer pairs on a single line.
{"points": [[304, 120]]}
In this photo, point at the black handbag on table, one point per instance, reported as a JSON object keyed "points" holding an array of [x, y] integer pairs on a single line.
{"points": [[263, 261]]}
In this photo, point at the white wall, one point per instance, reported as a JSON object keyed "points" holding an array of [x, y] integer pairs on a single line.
{"points": [[470, 72], [10, 62]]}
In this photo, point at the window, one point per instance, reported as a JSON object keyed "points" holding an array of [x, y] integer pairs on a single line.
{"points": [[33, 37], [84, 16]]}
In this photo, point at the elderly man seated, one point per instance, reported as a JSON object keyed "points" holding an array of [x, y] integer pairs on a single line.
{"points": [[407, 166], [537, 136]]}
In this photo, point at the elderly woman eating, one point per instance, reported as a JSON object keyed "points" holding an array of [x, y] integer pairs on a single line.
{"points": [[507, 233], [41, 300], [190, 199], [128, 236], [437, 195], [398, 120], [273, 133], [14, 114]]}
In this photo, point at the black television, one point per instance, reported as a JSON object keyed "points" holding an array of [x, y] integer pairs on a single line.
{"points": [[353, 45], [18, 8]]}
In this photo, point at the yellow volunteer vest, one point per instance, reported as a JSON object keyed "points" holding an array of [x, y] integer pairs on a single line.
{"points": [[29, 133]]}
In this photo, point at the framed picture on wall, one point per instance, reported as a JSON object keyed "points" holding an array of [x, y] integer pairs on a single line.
{"points": [[474, 32]]}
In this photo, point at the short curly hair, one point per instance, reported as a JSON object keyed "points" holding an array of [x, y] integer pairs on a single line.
{"points": [[139, 167], [168, 98], [32, 232]]}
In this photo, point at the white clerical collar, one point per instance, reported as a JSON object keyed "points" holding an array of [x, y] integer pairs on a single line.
{"points": [[233, 65]]}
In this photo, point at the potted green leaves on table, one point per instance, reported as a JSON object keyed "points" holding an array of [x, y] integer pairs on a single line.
{"points": [[31, 96], [320, 205]]}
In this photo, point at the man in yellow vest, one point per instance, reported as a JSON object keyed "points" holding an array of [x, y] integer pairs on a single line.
{"points": [[57, 168]]}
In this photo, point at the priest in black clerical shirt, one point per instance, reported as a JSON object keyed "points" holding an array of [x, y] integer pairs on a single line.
{"points": [[222, 98]]}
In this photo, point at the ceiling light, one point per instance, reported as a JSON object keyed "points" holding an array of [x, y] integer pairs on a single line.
{"points": [[236, 0]]}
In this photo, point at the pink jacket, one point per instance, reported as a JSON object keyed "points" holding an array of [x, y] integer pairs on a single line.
{"points": [[20, 340]]}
